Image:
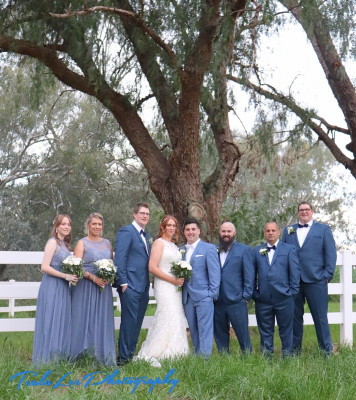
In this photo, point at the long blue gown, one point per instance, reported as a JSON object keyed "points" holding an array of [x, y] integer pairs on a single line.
{"points": [[53, 314], [93, 330]]}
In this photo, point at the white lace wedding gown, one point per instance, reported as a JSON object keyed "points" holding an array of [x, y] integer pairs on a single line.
{"points": [[167, 336]]}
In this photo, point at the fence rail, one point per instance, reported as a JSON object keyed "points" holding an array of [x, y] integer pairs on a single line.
{"points": [[11, 291]]}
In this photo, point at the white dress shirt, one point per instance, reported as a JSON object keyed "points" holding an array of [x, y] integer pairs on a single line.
{"points": [[137, 226], [190, 250], [223, 256], [271, 252], [302, 232]]}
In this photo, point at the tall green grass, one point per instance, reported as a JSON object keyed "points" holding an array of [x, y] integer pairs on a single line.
{"points": [[236, 376]]}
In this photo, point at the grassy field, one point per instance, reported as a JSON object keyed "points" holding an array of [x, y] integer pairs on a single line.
{"points": [[309, 376]]}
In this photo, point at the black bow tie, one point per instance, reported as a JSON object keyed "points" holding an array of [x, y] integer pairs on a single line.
{"points": [[303, 226], [271, 248], [142, 232]]}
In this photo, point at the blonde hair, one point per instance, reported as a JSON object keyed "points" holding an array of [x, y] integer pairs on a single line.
{"points": [[89, 219]]}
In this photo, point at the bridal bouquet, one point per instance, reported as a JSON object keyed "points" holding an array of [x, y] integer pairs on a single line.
{"points": [[73, 265], [181, 269], [105, 270]]}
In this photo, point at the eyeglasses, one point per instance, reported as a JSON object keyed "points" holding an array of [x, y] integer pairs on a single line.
{"points": [[143, 213], [304, 209]]}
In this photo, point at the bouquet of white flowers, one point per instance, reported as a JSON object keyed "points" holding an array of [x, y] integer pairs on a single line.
{"points": [[105, 270], [73, 265], [181, 269]]}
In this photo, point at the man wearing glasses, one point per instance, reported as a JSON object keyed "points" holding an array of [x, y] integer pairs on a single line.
{"points": [[316, 250], [132, 251]]}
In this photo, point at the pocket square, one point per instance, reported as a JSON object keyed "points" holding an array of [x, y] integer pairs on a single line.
{"points": [[199, 255]]}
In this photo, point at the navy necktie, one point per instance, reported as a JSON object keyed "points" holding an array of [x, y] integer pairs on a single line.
{"points": [[271, 248], [303, 226]]}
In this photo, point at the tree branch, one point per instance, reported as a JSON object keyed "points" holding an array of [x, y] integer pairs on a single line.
{"points": [[305, 116], [136, 19], [316, 28]]}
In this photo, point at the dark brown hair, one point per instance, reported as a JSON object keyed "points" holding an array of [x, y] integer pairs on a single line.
{"points": [[305, 202], [191, 221], [138, 207]]}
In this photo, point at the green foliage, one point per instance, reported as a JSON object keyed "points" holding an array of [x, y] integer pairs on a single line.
{"points": [[339, 18], [95, 168], [270, 188]]}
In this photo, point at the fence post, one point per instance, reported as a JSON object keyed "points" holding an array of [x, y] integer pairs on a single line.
{"points": [[346, 328], [11, 302]]}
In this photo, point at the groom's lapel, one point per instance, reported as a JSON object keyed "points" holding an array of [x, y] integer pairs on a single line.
{"points": [[195, 252]]}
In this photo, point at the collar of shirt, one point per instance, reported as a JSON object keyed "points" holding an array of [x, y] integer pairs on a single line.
{"points": [[192, 245], [270, 245], [137, 226], [310, 223], [226, 251]]}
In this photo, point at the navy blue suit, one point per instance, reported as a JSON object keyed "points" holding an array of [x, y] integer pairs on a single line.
{"points": [[198, 295], [317, 260], [236, 287], [131, 260], [275, 286]]}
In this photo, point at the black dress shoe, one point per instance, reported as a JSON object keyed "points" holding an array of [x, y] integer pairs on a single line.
{"points": [[121, 361]]}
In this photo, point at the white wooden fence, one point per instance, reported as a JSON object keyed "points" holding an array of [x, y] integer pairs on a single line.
{"points": [[12, 291]]}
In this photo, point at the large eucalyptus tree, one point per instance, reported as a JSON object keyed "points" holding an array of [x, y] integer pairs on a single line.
{"points": [[176, 56]]}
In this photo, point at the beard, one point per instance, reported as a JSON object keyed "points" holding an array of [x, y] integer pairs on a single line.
{"points": [[224, 245]]}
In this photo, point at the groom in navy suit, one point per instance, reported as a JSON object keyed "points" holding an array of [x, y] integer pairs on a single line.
{"points": [[277, 281], [203, 288], [237, 281], [132, 253], [316, 250]]}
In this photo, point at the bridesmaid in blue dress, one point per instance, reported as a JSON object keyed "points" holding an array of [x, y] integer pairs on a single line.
{"points": [[93, 329], [53, 312]]}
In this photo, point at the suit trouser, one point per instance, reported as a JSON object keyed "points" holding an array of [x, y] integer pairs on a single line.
{"points": [[237, 314], [133, 308], [266, 313], [316, 295], [200, 317]]}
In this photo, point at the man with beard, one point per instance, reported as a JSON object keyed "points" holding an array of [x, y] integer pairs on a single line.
{"points": [[236, 287]]}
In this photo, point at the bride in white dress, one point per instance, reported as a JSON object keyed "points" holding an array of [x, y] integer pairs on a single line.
{"points": [[167, 336]]}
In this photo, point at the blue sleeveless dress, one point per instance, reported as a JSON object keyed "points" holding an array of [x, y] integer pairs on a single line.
{"points": [[53, 314], [93, 330]]}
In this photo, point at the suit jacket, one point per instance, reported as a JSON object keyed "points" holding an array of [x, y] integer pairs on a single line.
{"points": [[205, 279], [131, 259], [317, 256], [280, 278], [237, 275]]}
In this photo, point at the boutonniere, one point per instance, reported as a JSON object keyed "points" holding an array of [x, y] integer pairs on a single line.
{"points": [[182, 252], [290, 230], [263, 252], [218, 249], [150, 241]]}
